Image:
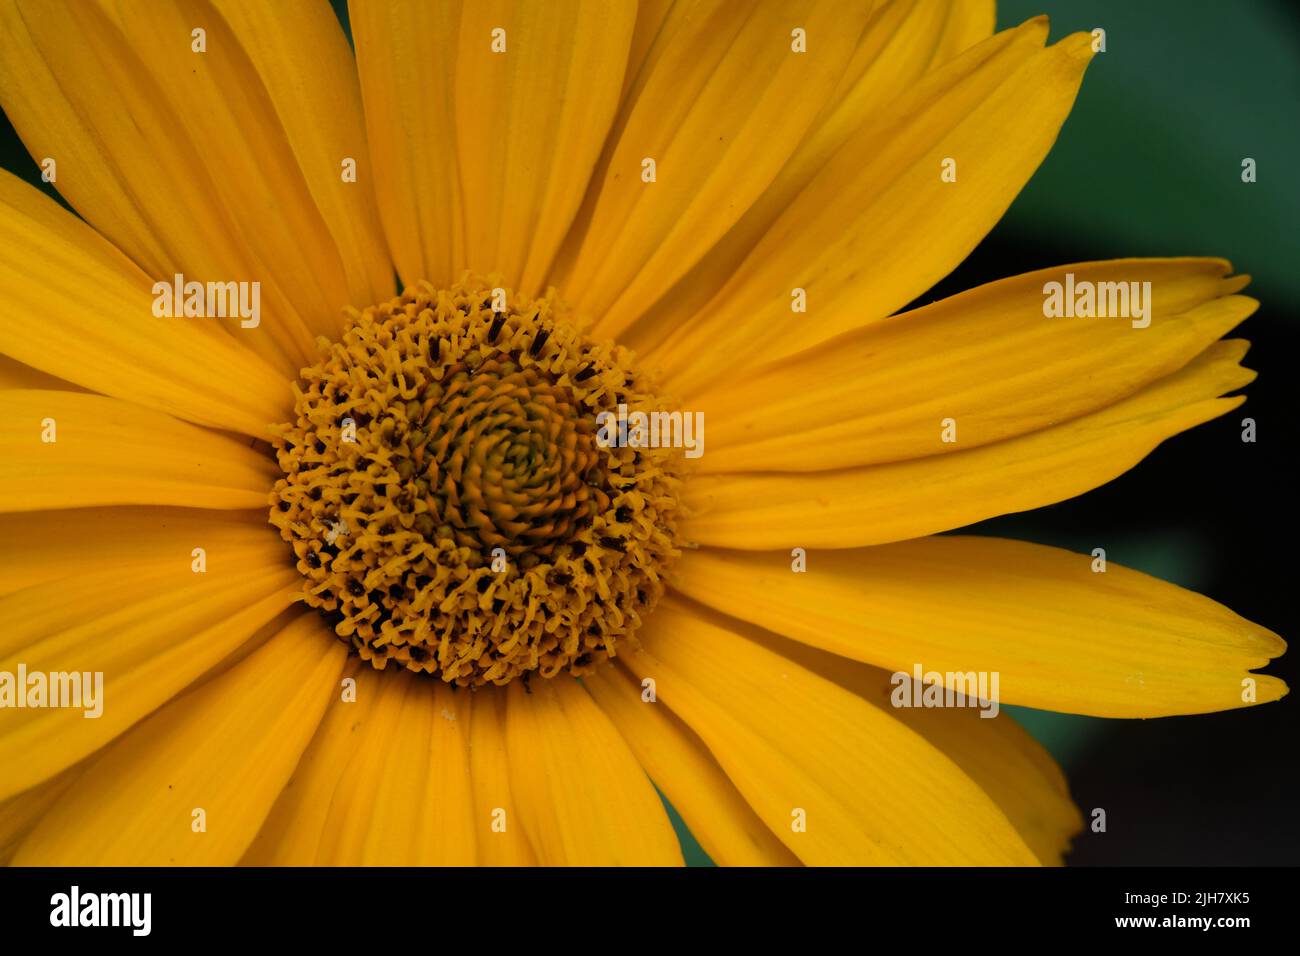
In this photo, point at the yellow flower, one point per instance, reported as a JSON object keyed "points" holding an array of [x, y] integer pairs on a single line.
{"points": [[596, 210]]}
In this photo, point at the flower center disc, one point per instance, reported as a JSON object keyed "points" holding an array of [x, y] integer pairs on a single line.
{"points": [[449, 505]]}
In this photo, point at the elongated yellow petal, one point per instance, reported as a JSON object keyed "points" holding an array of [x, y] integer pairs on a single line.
{"points": [[405, 797], [191, 785], [14, 374], [226, 112], [1061, 636], [304, 61], [584, 799], [19, 814], [881, 222], [47, 545], [967, 23], [839, 781], [502, 840], [295, 827], [901, 40], [68, 450], [682, 767], [996, 752], [150, 634], [530, 123], [73, 306], [893, 502], [721, 102], [988, 360], [133, 161], [404, 52]]}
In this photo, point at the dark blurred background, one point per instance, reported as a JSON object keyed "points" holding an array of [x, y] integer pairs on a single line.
{"points": [[1149, 163]]}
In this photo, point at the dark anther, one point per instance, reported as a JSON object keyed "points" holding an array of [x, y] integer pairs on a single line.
{"points": [[582, 660], [483, 584], [355, 588], [538, 342], [623, 514], [614, 544], [497, 322], [585, 373]]}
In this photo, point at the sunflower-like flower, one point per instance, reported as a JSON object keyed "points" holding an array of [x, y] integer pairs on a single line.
{"points": [[353, 433]]}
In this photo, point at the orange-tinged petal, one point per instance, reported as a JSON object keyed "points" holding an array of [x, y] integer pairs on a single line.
{"points": [[996, 752], [720, 103], [495, 807], [530, 123], [988, 360], [839, 781], [404, 49], [304, 62], [191, 785], [682, 767], [584, 799], [1060, 635], [879, 224], [893, 502], [72, 306], [70, 450], [405, 798], [46, 545], [149, 634]]}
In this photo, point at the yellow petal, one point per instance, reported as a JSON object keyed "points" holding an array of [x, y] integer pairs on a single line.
{"points": [[893, 502], [107, 452], [530, 123], [404, 50], [150, 634], [499, 844], [304, 62], [215, 758], [133, 161], [47, 545], [968, 22], [899, 43], [293, 830], [226, 112], [1061, 636], [988, 359], [720, 104], [997, 753], [840, 782], [14, 374], [73, 306], [19, 814], [405, 798], [682, 767], [878, 224], [584, 799]]}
